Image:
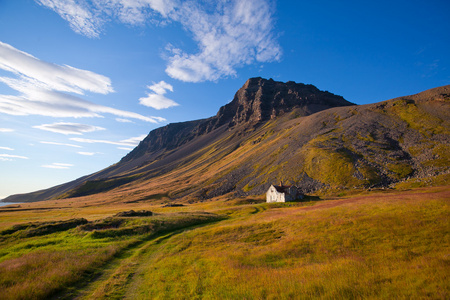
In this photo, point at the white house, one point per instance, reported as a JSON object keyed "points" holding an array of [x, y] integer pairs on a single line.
{"points": [[283, 193]]}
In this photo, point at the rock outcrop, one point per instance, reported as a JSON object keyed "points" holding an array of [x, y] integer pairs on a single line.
{"points": [[257, 101]]}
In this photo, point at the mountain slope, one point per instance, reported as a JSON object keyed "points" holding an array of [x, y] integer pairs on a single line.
{"points": [[273, 131]]}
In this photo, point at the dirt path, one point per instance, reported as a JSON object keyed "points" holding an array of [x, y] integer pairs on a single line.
{"points": [[116, 276], [113, 282], [121, 277]]}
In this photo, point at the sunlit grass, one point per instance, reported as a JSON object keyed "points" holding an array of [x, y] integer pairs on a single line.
{"points": [[375, 246], [394, 248], [37, 267], [36, 271]]}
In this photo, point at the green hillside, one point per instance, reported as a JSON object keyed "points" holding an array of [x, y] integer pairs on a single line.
{"points": [[288, 132]]}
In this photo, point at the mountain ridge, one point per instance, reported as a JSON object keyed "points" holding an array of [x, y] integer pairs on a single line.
{"points": [[274, 131], [256, 101]]}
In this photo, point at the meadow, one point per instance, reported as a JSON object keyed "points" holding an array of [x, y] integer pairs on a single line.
{"points": [[373, 246]]}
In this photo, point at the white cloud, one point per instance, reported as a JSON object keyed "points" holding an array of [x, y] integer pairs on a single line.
{"points": [[156, 99], [161, 87], [229, 33], [58, 166], [68, 128], [6, 130], [237, 33], [134, 12], [51, 76], [43, 89], [79, 16], [131, 142], [60, 144], [121, 120], [134, 141], [86, 153], [88, 18], [125, 148], [9, 156], [7, 148]]}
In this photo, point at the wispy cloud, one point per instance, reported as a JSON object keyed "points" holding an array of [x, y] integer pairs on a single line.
{"points": [[79, 16], [68, 128], [87, 153], [5, 157], [135, 12], [134, 141], [57, 166], [88, 18], [229, 34], [121, 120], [7, 148], [156, 98], [131, 142], [60, 144], [44, 89], [236, 33], [6, 130], [50, 76]]}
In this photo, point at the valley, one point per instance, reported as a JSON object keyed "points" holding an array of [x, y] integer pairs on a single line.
{"points": [[382, 244]]}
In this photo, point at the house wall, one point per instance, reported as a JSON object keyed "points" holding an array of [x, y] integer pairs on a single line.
{"points": [[273, 196], [291, 194]]}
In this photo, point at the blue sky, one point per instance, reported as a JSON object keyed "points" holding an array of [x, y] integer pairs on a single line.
{"points": [[82, 81]]}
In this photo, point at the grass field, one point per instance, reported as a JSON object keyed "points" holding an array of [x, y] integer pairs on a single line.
{"points": [[381, 245]]}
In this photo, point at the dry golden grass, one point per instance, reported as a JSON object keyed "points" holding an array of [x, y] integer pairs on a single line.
{"points": [[383, 246], [378, 245]]}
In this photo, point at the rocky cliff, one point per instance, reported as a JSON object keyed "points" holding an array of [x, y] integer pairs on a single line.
{"points": [[257, 101]]}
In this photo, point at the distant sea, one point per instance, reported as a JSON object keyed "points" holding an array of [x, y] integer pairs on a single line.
{"points": [[8, 203]]}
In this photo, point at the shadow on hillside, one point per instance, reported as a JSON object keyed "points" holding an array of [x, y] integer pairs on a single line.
{"points": [[310, 198], [305, 199]]}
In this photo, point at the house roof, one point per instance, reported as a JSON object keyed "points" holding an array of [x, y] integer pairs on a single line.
{"points": [[281, 188], [285, 189]]}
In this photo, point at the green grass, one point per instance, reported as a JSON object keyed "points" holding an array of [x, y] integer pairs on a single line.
{"points": [[400, 170], [418, 119], [391, 249], [335, 168], [442, 154], [37, 268], [97, 186], [378, 246], [40, 266], [248, 187], [413, 183]]}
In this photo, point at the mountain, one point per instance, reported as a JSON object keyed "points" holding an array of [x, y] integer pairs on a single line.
{"points": [[273, 131]]}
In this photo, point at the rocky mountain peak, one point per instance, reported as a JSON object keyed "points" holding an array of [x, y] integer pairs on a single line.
{"points": [[258, 100], [262, 99]]}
